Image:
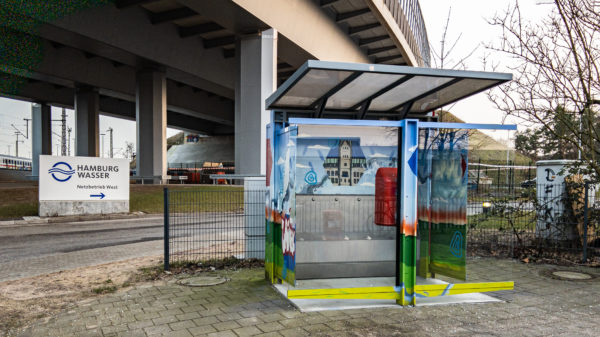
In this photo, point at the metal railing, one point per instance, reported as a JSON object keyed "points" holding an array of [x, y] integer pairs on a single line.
{"points": [[213, 223], [196, 174], [408, 16], [559, 220]]}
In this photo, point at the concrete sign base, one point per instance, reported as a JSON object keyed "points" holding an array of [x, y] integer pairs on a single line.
{"points": [[61, 208]]}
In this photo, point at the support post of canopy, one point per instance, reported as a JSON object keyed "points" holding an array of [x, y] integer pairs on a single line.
{"points": [[406, 212]]}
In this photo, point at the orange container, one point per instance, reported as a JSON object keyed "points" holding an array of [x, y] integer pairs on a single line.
{"points": [[221, 181], [385, 196]]}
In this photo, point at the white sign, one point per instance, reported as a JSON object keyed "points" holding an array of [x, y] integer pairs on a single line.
{"points": [[83, 178]]}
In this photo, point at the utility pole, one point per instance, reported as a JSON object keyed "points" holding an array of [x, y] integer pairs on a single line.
{"points": [[63, 133], [102, 154], [8, 149], [57, 144], [17, 143], [26, 127], [69, 143], [110, 148], [19, 133]]}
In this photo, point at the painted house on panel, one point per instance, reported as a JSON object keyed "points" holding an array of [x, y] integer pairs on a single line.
{"points": [[345, 163]]}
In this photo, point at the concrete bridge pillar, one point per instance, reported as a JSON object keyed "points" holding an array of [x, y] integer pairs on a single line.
{"points": [[255, 81], [87, 122], [151, 118], [41, 135]]}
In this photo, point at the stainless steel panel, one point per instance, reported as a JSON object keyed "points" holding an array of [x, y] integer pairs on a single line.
{"points": [[306, 271], [345, 251], [336, 237]]}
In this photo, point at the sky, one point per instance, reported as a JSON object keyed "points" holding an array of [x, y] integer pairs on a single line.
{"points": [[469, 21], [468, 17]]}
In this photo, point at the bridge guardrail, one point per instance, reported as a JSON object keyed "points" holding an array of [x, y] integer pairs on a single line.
{"points": [[409, 18]]}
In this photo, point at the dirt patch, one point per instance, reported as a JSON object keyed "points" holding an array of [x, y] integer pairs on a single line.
{"points": [[229, 263], [500, 246], [26, 300]]}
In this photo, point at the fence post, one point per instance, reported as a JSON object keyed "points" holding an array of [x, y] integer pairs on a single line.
{"points": [[166, 227], [585, 220], [498, 181], [478, 170]]}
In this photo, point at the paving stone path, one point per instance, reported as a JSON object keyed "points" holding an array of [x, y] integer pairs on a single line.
{"points": [[248, 306]]}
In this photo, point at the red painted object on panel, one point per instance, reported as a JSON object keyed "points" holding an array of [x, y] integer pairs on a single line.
{"points": [[385, 196]]}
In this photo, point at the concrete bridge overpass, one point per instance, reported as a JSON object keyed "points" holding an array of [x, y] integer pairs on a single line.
{"points": [[203, 66]]}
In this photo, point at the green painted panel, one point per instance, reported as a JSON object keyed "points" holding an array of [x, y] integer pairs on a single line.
{"points": [[424, 260], [448, 250], [408, 271]]}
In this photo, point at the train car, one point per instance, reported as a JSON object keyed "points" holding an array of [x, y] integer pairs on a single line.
{"points": [[15, 163]]}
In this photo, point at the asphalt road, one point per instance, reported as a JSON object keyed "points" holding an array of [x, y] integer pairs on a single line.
{"points": [[40, 249], [27, 251], [17, 243]]}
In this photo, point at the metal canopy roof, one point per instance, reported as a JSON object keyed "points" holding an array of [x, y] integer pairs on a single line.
{"points": [[320, 88]]}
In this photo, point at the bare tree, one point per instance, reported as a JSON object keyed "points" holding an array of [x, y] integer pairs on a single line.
{"points": [[556, 73], [443, 57], [129, 150]]}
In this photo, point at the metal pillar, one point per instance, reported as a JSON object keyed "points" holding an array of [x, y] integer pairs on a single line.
{"points": [[41, 135], [110, 152], [151, 121], [87, 122], [69, 142], [255, 81], [406, 212], [63, 133]]}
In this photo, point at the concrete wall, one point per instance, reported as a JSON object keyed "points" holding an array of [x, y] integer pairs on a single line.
{"points": [[61, 208]]}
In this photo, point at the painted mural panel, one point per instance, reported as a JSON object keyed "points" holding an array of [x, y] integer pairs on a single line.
{"points": [[269, 207], [342, 159], [442, 199], [281, 210], [424, 200]]}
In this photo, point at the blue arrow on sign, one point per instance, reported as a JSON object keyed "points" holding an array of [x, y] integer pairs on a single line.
{"points": [[101, 195]]}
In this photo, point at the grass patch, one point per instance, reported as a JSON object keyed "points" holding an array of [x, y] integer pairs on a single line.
{"points": [[107, 288], [149, 199], [104, 290], [157, 272], [520, 220], [16, 203], [18, 211]]}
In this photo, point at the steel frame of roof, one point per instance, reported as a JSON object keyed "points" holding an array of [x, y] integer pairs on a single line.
{"points": [[401, 110]]}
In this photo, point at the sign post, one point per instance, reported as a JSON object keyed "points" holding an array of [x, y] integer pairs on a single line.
{"points": [[83, 185]]}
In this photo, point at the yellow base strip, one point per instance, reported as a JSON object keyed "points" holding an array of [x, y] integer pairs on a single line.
{"points": [[434, 290], [393, 293], [380, 293]]}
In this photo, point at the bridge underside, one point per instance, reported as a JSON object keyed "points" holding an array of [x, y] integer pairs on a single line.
{"points": [[200, 66]]}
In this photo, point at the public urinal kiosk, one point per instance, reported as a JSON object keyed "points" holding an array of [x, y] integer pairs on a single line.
{"points": [[361, 184]]}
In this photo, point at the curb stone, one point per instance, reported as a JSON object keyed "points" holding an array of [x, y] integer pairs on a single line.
{"points": [[36, 221]]}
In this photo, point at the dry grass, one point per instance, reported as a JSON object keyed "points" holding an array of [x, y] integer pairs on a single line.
{"points": [[17, 202], [25, 300]]}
